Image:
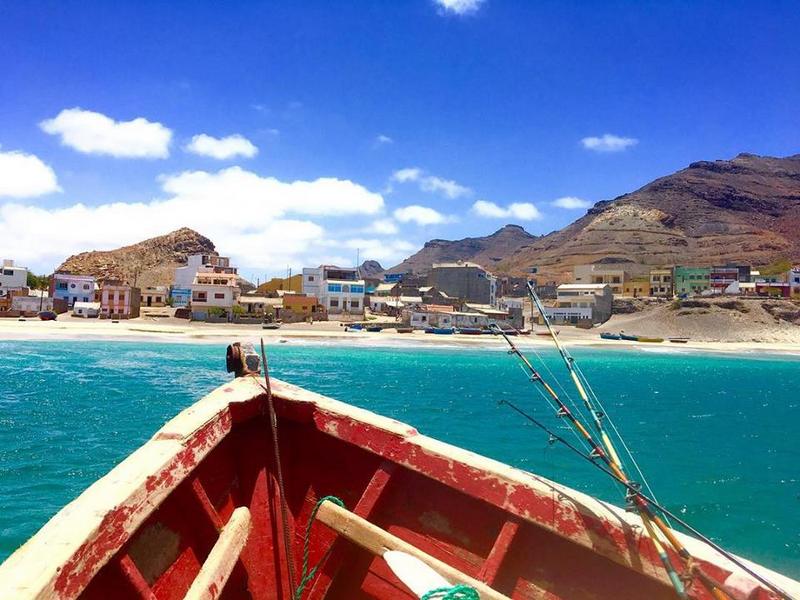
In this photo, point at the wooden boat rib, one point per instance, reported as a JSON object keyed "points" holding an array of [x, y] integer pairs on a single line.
{"points": [[199, 502]]}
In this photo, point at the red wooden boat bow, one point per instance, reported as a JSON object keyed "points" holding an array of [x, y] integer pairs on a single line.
{"points": [[197, 510]]}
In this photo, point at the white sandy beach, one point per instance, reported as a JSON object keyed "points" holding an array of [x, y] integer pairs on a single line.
{"points": [[332, 332]]}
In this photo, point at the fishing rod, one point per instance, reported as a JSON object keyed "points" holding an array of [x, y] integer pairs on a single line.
{"points": [[597, 415], [597, 451], [634, 490]]}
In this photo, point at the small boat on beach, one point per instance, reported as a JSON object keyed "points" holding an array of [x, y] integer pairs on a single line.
{"points": [[610, 336], [374, 328], [404, 329], [678, 340], [441, 330], [47, 315], [629, 338], [650, 340], [235, 496], [273, 325], [469, 331]]}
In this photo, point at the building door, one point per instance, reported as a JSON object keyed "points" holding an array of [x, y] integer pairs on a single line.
{"points": [[149, 300]]}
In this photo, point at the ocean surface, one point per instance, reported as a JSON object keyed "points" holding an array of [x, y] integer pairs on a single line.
{"points": [[716, 435]]}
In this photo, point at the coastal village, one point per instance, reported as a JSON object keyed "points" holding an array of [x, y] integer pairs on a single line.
{"points": [[452, 297]]}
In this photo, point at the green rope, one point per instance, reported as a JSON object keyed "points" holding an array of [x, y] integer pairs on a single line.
{"points": [[307, 575], [457, 592]]}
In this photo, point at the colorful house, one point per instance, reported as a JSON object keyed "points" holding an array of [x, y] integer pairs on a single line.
{"points": [[582, 303], [180, 297], [298, 307], [601, 274], [661, 282], [73, 288], [691, 281], [293, 283], [119, 300], [636, 287]]}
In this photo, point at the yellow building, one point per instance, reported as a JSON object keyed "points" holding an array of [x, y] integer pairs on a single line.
{"points": [[287, 284], [636, 288]]}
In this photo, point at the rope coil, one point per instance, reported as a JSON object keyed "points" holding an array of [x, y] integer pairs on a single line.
{"points": [[457, 592], [306, 574]]}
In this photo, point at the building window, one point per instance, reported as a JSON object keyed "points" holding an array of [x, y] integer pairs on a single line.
{"points": [[335, 287], [354, 303], [311, 278], [219, 296], [334, 303], [72, 285], [356, 289], [86, 286], [85, 299]]}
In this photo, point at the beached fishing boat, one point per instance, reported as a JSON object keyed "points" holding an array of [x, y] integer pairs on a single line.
{"points": [[629, 338], [609, 336], [230, 496], [273, 325], [404, 329], [650, 340], [441, 330], [374, 328], [469, 330], [678, 340]]}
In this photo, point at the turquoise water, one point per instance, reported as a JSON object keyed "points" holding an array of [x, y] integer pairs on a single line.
{"points": [[716, 435]]}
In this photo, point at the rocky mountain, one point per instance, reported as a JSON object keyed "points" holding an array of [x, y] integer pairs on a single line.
{"points": [[489, 251], [371, 269], [745, 209], [151, 262]]}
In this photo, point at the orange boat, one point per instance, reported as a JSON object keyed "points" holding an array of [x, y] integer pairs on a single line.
{"points": [[197, 512]]}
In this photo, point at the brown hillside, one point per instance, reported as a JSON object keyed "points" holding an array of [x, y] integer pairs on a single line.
{"points": [[151, 262], [488, 251], [745, 209]]}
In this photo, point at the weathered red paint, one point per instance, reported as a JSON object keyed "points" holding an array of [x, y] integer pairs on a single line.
{"points": [[528, 538]]}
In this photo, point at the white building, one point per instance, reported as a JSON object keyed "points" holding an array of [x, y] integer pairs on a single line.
{"points": [[578, 302], [89, 310], [12, 277], [31, 304], [793, 277], [202, 263], [214, 290], [339, 290]]}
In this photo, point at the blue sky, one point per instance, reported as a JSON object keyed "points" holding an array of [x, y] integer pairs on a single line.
{"points": [[376, 125]]}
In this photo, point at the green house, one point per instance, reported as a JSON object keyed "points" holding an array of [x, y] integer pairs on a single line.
{"points": [[691, 281]]}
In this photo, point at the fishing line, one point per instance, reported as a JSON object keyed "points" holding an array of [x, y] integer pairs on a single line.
{"points": [[637, 492]]}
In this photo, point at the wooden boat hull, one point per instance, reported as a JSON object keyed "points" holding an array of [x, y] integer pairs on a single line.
{"points": [[650, 340], [150, 528], [629, 338], [679, 340], [610, 336], [469, 331]]}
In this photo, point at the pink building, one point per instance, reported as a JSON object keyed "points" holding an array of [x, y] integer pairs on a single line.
{"points": [[119, 300]]}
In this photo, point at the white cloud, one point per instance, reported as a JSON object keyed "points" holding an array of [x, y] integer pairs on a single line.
{"points": [[571, 202], [221, 148], [523, 211], [94, 133], [431, 183], [459, 7], [382, 140], [383, 227], [406, 175], [25, 176], [381, 250], [260, 221], [421, 215], [608, 143]]}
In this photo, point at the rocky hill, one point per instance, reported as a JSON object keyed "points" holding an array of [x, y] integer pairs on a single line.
{"points": [[745, 209], [488, 251], [151, 262], [371, 269]]}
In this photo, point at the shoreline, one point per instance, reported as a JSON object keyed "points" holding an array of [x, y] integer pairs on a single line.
{"points": [[332, 333]]}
